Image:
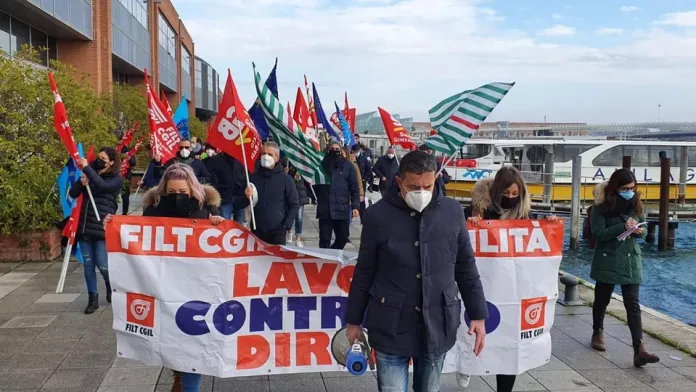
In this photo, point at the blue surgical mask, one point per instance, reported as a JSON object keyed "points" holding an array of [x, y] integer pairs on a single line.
{"points": [[628, 195]]}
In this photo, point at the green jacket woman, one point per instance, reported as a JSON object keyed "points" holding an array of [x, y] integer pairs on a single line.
{"points": [[618, 262]]}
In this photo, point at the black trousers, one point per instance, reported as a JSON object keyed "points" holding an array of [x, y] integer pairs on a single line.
{"points": [[362, 211], [630, 294], [273, 237], [339, 227], [125, 196], [505, 382]]}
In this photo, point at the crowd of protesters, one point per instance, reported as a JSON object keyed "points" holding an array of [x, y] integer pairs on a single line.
{"points": [[202, 182]]}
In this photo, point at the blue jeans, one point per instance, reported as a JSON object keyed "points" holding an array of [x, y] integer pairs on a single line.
{"points": [[94, 255], [298, 221], [227, 211], [190, 382], [392, 373]]}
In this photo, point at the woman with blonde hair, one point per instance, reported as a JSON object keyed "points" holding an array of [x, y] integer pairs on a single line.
{"points": [[504, 196]]}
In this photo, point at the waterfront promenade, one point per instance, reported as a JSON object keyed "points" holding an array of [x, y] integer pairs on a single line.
{"points": [[48, 344]]}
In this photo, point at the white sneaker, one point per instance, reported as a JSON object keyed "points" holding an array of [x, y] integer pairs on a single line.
{"points": [[288, 239], [300, 243], [463, 380]]}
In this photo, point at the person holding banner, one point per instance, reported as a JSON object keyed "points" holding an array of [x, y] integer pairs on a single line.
{"points": [[275, 197], [104, 178], [337, 201], [415, 259], [504, 196], [618, 208], [386, 169]]}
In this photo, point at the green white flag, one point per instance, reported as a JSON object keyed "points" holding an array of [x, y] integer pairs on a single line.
{"points": [[459, 116], [296, 146], [440, 144]]}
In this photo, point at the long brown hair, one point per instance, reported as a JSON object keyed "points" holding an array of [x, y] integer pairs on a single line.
{"points": [[114, 157], [504, 178], [618, 179]]}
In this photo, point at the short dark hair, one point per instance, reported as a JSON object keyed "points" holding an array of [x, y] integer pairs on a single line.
{"points": [[355, 148], [356, 135], [417, 162]]}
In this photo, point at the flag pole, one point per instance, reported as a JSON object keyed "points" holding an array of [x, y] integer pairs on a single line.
{"points": [[94, 205], [446, 162], [64, 268], [50, 192], [141, 179], [246, 173]]}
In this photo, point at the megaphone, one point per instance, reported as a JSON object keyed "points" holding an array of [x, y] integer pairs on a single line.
{"points": [[355, 356]]}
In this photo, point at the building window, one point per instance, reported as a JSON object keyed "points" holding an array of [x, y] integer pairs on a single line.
{"points": [[5, 32], [19, 35], [138, 9], [185, 60], [611, 157], [39, 42], [167, 37]]}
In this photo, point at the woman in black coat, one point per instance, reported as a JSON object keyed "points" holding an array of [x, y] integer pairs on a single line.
{"points": [[103, 178]]}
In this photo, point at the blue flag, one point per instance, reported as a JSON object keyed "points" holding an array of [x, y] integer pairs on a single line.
{"points": [[67, 177], [181, 119], [345, 128], [256, 113], [321, 116]]}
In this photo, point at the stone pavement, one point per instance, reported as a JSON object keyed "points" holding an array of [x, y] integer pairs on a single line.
{"points": [[48, 344]]}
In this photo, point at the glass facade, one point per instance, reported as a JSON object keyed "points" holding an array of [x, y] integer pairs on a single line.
{"points": [[207, 86], [130, 38], [185, 72], [371, 123], [14, 33], [168, 68], [74, 13]]}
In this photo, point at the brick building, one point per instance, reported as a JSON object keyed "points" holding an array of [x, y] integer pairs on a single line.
{"points": [[112, 41]]}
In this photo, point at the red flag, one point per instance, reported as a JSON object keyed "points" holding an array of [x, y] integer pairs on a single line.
{"points": [[70, 228], [290, 124], [166, 103], [349, 114], [396, 132], [164, 136], [310, 102], [125, 163], [127, 137], [60, 121], [233, 126], [91, 156], [304, 120]]}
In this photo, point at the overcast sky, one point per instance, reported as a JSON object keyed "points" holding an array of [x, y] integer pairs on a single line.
{"points": [[590, 61]]}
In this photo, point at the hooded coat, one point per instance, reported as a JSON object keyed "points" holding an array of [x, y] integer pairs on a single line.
{"points": [[482, 205], [411, 269], [614, 261], [105, 189], [278, 202], [210, 205]]}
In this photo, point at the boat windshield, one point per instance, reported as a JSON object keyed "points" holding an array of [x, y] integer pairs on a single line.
{"points": [[474, 151], [566, 152]]}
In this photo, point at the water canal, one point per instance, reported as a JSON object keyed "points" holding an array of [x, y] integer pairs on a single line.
{"points": [[669, 278]]}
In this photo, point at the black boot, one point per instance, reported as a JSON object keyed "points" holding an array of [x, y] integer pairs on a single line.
{"points": [[93, 304], [108, 292]]}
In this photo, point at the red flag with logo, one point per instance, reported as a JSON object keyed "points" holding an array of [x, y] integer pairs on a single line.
{"points": [[349, 114], [164, 136], [165, 102], [396, 132], [70, 229], [304, 120], [310, 105], [234, 130], [125, 163], [60, 121], [127, 137]]}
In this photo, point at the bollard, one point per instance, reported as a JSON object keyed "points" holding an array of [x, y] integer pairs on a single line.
{"points": [[651, 232], [572, 296], [662, 237]]}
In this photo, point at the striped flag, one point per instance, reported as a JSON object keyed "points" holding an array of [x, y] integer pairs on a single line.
{"points": [[457, 117], [296, 146], [440, 144]]}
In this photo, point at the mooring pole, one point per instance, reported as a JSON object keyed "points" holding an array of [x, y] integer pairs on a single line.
{"points": [[683, 168], [626, 164], [548, 176], [664, 202], [576, 184]]}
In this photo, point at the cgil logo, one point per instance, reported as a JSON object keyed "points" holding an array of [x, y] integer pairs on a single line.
{"points": [[532, 317], [140, 310]]}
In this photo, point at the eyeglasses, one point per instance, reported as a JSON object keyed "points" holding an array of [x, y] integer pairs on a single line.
{"points": [[185, 147], [627, 189]]}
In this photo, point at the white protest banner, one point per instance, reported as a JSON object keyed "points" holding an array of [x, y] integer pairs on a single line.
{"points": [[214, 300]]}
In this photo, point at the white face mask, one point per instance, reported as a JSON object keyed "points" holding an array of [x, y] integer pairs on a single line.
{"points": [[210, 153], [390, 156], [267, 161], [418, 200], [185, 153]]}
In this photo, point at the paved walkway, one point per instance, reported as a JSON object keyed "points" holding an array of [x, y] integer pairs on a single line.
{"points": [[48, 344]]}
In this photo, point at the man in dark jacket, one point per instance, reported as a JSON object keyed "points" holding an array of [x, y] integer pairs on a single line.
{"points": [[276, 202], [386, 169], [229, 179], [126, 189], [338, 200], [185, 156], [415, 258], [443, 178], [149, 181]]}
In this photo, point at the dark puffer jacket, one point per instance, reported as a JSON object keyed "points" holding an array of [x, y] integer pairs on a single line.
{"points": [[196, 165], [301, 185], [411, 268], [210, 206], [338, 199], [386, 168], [105, 189], [277, 204], [228, 177]]}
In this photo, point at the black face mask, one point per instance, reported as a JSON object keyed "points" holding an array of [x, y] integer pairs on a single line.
{"points": [[508, 203], [334, 153], [179, 203], [98, 165]]}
